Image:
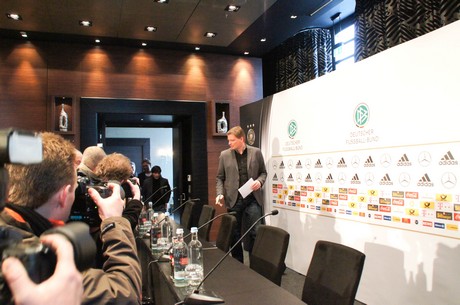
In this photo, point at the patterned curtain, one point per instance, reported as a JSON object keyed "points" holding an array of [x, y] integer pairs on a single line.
{"points": [[382, 24], [301, 58]]}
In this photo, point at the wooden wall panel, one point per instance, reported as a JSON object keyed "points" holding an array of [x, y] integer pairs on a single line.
{"points": [[30, 73]]}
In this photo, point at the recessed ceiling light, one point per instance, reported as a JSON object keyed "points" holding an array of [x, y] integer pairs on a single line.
{"points": [[161, 1], [24, 34], [232, 8], [85, 23], [97, 41], [293, 16], [14, 16], [144, 44], [246, 53], [150, 28], [197, 48], [263, 39], [210, 34]]}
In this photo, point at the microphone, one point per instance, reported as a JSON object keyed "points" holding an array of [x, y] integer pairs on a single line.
{"points": [[160, 188], [209, 221], [175, 210], [195, 297], [169, 191]]}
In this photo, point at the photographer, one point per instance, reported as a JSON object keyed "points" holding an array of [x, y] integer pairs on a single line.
{"points": [[41, 196], [65, 286]]}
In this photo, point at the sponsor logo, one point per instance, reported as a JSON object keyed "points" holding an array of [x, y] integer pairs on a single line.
{"points": [[426, 223], [334, 196], [424, 158], [378, 216], [385, 160], [355, 161], [292, 129], [449, 180], [318, 164], [404, 161], [369, 178], [387, 218], [308, 163], [412, 212], [330, 179], [290, 164], [282, 165], [361, 115], [274, 164], [369, 162], [439, 225], [308, 178], [329, 163], [456, 216], [427, 205], [385, 208], [352, 191], [298, 164], [290, 178], [318, 178], [412, 195], [399, 202], [325, 201], [425, 181], [406, 220], [355, 179], [299, 177], [343, 197], [404, 179], [342, 178], [275, 177], [444, 215], [372, 207], [325, 190], [448, 159], [397, 194], [342, 163], [386, 180], [384, 201], [444, 197], [452, 227]]}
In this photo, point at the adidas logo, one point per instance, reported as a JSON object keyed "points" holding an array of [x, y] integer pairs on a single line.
{"points": [[341, 163], [290, 178], [298, 165], [355, 179], [425, 181], [275, 177], [404, 161], [308, 178], [386, 180], [369, 162], [282, 165], [329, 179], [318, 164], [448, 159]]}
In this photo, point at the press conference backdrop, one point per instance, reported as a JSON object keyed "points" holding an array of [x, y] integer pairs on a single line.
{"points": [[369, 157]]}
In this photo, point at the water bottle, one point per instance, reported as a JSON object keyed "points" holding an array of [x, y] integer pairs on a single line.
{"points": [[155, 235], [180, 253], [171, 255], [142, 222], [194, 269], [166, 234]]}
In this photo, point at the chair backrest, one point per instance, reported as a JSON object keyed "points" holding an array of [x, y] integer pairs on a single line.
{"points": [[207, 213], [334, 274], [225, 235], [269, 251], [186, 217]]}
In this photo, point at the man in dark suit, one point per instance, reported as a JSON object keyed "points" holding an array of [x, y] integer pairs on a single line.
{"points": [[157, 190], [237, 165]]}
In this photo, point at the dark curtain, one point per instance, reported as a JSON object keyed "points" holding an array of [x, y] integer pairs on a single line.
{"points": [[299, 59], [382, 24]]}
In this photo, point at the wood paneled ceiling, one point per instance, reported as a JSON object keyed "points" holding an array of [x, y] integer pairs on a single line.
{"points": [[181, 24]]}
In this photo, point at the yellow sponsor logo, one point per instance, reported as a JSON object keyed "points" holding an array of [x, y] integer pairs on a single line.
{"points": [[352, 205], [452, 227], [412, 212], [285, 192], [318, 195], [325, 190], [310, 200], [427, 205], [396, 219], [444, 197], [291, 187], [362, 198], [372, 192]]}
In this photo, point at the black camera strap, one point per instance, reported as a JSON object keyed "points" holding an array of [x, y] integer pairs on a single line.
{"points": [[37, 222]]}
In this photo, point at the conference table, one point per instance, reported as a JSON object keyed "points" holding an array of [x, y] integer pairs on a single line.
{"points": [[233, 281]]}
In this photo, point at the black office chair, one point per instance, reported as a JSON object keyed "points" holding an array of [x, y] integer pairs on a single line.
{"points": [[187, 214], [334, 274], [207, 213], [225, 235], [269, 252]]}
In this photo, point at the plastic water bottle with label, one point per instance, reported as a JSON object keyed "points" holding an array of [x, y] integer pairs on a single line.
{"points": [[180, 253]]}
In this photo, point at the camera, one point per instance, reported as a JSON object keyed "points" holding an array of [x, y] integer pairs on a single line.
{"points": [[84, 209], [38, 259]]}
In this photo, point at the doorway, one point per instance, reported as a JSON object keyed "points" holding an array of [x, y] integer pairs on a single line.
{"points": [[188, 123]]}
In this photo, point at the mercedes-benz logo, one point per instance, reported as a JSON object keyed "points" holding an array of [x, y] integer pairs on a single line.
{"points": [[318, 178], [342, 178], [355, 161], [404, 179], [424, 158], [329, 163], [385, 160], [290, 164], [449, 180], [275, 164], [308, 163], [299, 177], [369, 178]]}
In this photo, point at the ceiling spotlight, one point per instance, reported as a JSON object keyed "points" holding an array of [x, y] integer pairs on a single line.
{"points": [[293, 17], [97, 41], [161, 1], [85, 23], [14, 16], [150, 28], [24, 34], [197, 48], [210, 34], [263, 39], [246, 53], [144, 44], [232, 8]]}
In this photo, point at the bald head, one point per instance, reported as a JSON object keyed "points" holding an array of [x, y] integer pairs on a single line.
{"points": [[92, 155]]}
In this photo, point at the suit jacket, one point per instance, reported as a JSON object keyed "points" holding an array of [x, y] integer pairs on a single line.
{"points": [[228, 176]]}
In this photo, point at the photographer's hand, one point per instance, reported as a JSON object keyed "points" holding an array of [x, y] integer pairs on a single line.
{"points": [[135, 188], [111, 206], [65, 286]]}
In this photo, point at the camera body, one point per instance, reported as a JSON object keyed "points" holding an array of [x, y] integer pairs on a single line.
{"points": [[84, 209]]}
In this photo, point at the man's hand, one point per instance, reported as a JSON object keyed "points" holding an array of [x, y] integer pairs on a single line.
{"points": [[65, 286], [219, 200], [111, 206], [135, 190], [256, 185]]}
